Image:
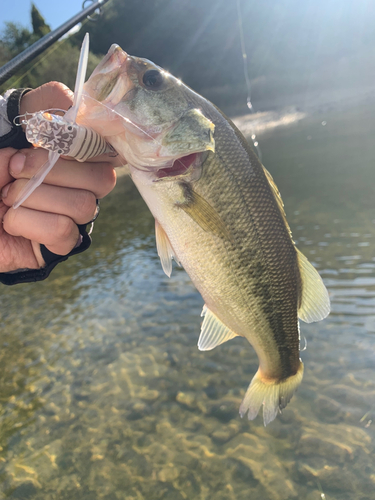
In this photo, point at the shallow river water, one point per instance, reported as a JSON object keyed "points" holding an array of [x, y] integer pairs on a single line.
{"points": [[104, 394]]}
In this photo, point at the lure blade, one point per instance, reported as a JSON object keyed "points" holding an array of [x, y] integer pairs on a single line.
{"points": [[71, 114], [37, 179]]}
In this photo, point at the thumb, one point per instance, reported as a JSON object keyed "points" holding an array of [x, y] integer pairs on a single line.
{"points": [[5, 156], [50, 95]]}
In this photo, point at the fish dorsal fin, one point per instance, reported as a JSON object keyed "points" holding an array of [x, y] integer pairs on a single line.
{"points": [[275, 190], [165, 250], [277, 196], [314, 303], [213, 331]]}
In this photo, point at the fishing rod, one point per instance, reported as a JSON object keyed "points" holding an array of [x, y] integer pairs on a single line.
{"points": [[41, 45]]}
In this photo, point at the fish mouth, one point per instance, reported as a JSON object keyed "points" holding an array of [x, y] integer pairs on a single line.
{"points": [[114, 59], [188, 167], [179, 167]]}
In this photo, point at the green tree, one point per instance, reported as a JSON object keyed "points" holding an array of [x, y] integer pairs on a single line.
{"points": [[15, 38], [40, 28], [58, 62]]}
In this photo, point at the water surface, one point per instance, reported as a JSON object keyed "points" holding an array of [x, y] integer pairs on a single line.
{"points": [[104, 394]]}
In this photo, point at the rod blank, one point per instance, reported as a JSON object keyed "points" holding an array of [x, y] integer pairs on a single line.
{"points": [[38, 47]]}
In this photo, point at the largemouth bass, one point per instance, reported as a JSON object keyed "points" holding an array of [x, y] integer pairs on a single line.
{"points": [[217, 212]]}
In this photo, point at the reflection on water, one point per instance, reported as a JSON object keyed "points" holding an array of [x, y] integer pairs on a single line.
{"points": [[104, 393]]}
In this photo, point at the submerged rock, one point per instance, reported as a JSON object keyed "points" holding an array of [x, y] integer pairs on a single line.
{"points": [[311, 445], [225, 433], [328, 409], [225, 410], [334, 456], [331, 478], [168, 474], [250, 452]]}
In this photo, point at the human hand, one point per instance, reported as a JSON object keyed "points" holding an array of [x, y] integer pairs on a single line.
{"points": [[66, 198]]}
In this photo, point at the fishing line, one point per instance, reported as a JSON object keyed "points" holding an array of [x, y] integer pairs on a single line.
{"points": [[247, 78]]}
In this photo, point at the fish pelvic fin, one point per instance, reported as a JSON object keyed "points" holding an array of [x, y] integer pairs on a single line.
{"points": [[273, 395], [165, 250], [314, 302], [213, 331]]}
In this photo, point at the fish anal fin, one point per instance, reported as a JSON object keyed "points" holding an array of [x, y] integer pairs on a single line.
{"points": [[213, 331], [314, 300], [274, 395], [165, 250]]}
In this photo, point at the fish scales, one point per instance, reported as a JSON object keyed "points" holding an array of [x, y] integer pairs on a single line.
{"points": [[217, 212], [234, 184]]}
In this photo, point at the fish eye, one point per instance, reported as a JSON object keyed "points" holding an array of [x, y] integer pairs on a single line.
{"points": [[153, 79]]}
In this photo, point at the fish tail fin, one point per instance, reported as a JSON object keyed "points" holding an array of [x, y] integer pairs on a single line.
{"points": [[273, 395]]}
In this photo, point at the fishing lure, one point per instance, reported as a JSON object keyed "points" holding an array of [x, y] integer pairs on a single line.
{"points": [[52, 132], [61, 135]]}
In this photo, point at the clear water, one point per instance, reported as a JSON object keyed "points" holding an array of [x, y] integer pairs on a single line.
{"points": [[104, 394]]}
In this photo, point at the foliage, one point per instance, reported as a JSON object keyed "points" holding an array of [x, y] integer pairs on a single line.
{"points": [[40, 28], [15, 39], [59, 62]]}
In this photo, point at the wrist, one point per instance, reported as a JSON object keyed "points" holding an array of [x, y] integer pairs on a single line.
{"points": [[14, 136]]}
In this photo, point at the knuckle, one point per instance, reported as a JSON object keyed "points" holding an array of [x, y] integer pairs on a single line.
{"points": [[65, 228], [14, 190], [5, 155], [85, 204], [10, 222], [57, 90], [55, 86], [34, 159], [107, 180]]}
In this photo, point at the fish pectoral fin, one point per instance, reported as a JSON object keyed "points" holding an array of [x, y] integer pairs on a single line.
{"points": [[213, 331], [314, 302], [202, 213], [165, 250]]}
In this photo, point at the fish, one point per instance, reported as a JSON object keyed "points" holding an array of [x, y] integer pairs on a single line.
{"points": [[218, 213]]}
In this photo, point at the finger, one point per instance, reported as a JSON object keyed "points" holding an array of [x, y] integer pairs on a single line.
{"points": [[99, 178], [50, 95], [113, 158], [5, 156], [78, 204], [57, 232]]}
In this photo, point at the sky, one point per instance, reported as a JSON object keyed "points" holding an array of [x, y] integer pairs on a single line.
{"points": [[55, 13]]}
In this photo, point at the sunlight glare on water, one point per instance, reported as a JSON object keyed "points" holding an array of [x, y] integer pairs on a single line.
{"points": [[104, 394]]}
